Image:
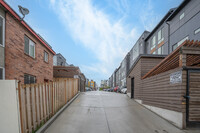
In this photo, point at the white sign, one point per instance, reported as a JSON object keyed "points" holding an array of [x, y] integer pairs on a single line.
{"points": [[76, 76], [176, 77]]}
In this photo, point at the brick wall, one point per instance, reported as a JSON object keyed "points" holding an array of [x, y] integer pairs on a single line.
{"points": [[17, 63]]}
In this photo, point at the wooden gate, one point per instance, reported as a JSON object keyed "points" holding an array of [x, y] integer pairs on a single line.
{"points": [[193, 98]]}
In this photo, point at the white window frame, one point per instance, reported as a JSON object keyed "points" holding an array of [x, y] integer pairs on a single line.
{"points": [[30, 43], [3, 39], [46, 54], [197, 31], [174, 46], [161, 50], [161, 35], [30, 48], [3, 72], [181, 41], [182, 16]]}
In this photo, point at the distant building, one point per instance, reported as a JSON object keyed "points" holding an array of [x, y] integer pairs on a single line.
{"points": [[104, 83], [59, 60], [70, 72], [87, 82]]}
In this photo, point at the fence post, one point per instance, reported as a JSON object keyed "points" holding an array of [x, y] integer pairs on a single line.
{"points": [[33, 106], [28, 108], [20, 106]]}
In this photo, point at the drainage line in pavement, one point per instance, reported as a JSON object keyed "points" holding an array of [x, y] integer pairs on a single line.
{"points": [[106, 117]]}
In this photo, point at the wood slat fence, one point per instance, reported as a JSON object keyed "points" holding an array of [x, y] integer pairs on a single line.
{"points": [[39, 102]]}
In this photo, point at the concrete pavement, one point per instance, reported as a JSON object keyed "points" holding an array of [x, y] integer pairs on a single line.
{"points": [[107, 112]]}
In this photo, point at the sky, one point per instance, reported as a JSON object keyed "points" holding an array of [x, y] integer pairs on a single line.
{"points": [[95, 35]]}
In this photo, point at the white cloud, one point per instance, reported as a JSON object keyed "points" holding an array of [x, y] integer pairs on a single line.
{"points": [[108, 40], [148, 17]]}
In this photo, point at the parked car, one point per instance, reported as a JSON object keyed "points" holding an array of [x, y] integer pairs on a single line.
{"points": [[88, 89], [119, 89], [116, 88], [124, 90], [112, 89]]}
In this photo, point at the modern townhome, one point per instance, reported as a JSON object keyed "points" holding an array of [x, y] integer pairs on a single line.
{"points": [[130, 58], [184, 23], [157, 40], [123, 70], [138, 48], [117, 73], [170, 86], [25, 56]]}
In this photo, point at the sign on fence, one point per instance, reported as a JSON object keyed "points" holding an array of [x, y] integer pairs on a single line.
{"points": [[176, 77]]}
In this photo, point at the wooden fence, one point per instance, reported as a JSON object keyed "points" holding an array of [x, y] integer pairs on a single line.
{"points": [[39, 102]]}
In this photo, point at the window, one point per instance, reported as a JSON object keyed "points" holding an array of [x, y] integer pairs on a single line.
{"points": [[29, 47], [55, 60], [154, 52], [179, 43], [174, 47], [29, 79], [2, 73], [2, 30], [153, 42], [160, 36], [182, 16], [46, 56], [160, 50], [197, 31]]}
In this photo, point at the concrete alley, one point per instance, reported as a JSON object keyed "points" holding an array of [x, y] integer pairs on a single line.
{"points": [[105, 112]]}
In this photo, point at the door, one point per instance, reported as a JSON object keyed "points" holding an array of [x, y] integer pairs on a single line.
{"points": [[193, 98], [132, 87]]}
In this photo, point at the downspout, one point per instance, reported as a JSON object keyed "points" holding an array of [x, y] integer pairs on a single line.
{"points": [[168, 37]]}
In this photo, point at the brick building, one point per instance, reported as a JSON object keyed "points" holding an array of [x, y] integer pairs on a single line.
{"points": [[25, 55]]}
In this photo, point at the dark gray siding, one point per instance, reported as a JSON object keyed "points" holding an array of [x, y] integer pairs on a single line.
{"points": [[59, 60], [179, 29], [165, 39], [138, 48]]}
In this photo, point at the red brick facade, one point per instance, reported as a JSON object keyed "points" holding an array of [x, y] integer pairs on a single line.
{"points": [[17, 63]]}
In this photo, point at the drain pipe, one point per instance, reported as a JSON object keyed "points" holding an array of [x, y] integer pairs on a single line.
{"points": [[168, 36]]}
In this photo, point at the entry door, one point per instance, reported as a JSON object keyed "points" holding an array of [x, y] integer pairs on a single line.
{"points": [[132, 87], [193, 97]]}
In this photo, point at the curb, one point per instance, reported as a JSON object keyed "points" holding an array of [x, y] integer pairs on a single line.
{"points": [[53, 118]]}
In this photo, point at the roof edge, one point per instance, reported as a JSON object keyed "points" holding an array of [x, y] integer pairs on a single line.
{"points": [[144, 56], [181, 6], [160, 23]]}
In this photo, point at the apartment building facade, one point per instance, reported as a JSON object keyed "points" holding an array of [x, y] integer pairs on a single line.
{"points": [[184, 23], [157, 40], [138, 48], [171, 88], [25, 56], [123, 71]]}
